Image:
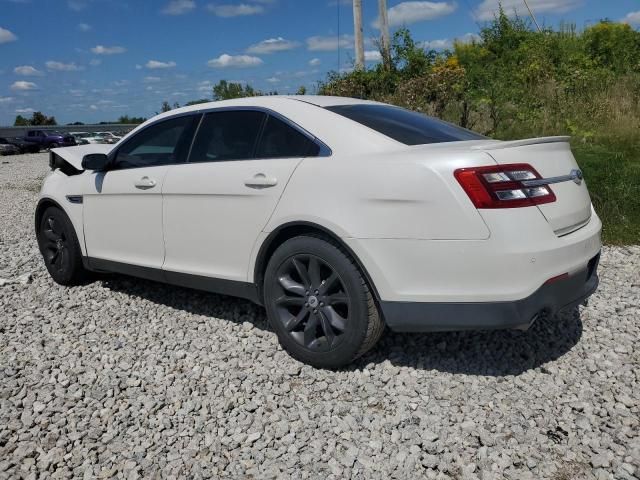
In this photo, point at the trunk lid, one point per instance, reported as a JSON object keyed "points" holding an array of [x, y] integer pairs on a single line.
{"points": [[551, 157]]}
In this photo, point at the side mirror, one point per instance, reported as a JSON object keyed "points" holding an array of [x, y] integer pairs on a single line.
{"points": [[95, 161]]}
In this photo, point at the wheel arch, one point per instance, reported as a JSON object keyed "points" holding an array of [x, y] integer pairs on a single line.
{"points": [[43, 204], [293, 229]]}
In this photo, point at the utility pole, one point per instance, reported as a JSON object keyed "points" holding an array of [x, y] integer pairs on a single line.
{"points": [[526, 4], [357, 29], [384, 33]]}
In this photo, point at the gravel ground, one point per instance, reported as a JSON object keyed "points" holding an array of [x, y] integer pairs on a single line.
{"points": [[128, 378]]}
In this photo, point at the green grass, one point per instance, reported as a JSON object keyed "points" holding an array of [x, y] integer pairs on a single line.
{"points": [[612, 173]]}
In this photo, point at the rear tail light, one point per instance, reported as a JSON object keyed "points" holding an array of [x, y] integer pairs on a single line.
{"points": [[500, 186]]}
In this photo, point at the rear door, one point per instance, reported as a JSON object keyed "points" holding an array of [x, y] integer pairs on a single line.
{"points": [[553, 160], [216, 205], [123, 206]]}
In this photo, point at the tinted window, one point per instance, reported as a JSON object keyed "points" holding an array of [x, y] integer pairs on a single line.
{"points": [[167, 142], [227, 135], [282, 140], [405, 126]]}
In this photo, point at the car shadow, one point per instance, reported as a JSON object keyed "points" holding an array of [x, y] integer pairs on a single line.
{"points": [[489, 353]]}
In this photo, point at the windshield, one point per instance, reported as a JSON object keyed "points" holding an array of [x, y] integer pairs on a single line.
{"points": [[410, 128]]}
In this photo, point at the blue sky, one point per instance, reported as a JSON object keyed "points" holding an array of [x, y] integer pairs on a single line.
{"points": [[93, 60]]}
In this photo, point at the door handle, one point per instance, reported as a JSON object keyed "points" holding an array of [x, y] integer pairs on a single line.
{"points": [[260, 180], [145, 183]]}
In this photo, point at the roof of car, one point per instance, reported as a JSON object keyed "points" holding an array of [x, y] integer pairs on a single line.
{"points": [[271, 101]]}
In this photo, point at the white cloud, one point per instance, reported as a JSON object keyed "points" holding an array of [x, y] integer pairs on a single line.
{"points": [[328, 44], [155, 64], [77, 5], [94, 62], [121, 83], [205, 86], [488, 9], [27, 71], [314, 62], [241, 61], [469, 38], [441, 44], [6, 36], [239, 10], [25, 110], [179, 7], [93, 107], [151, 79], [272, 45], [372, 56], [102, 50], [446, 43], [406, 13], [6, 99], [138, 67], [22, 86], [63, 67], [84, 27], [632, 18], [273, 80]]}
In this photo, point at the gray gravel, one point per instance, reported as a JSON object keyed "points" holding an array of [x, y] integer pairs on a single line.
{"points": [[128, 378]]}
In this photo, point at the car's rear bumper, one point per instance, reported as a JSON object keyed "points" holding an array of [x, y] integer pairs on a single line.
{"points": [[547, 300]]}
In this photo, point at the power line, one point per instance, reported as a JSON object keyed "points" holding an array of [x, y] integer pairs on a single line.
{"points": [[532, 16]]}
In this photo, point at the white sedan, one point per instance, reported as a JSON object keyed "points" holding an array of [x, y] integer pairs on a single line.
{"points": [[340, 216]]}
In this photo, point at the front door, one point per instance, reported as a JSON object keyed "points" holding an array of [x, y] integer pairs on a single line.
{"points": [[123, 206]]}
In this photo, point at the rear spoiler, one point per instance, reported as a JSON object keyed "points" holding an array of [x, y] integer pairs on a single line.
{"points": [[521, 143]]}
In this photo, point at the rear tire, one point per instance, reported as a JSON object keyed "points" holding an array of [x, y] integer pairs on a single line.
{"points": [[319, 303], [60, 249]]}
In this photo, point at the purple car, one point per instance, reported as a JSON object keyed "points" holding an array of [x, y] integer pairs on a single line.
{"points": [[50, 139]]}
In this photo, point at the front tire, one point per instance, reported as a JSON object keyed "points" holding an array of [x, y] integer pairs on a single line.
{"points": [[59, 247], [319, 303]]}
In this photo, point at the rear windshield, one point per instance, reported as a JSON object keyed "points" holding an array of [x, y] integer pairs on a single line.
{"points": [[410, 128]]}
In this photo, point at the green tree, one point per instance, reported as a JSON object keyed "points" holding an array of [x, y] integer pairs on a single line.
{"points": [[197, 102], [20, 121], [38, 118], [227, 90], [131, 120], [302, 90]]}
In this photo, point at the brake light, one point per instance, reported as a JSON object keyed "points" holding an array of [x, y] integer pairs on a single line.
{"points": [[500, 186]]}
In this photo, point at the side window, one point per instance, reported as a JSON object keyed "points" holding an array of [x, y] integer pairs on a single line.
{"points": [[227, 135], [164, 143], [281, 140]]}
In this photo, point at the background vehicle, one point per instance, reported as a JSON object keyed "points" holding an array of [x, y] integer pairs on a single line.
{"points": [[338, 215], [108, 137], [8, 149], [50, 139], [22, 145], [80, 137]]}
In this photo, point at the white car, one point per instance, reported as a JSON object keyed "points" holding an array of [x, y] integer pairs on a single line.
{"points": [[81, 137], [339, 215], [108, 137]]}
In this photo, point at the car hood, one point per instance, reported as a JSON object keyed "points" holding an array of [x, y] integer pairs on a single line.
{"points": [[74, 155]]}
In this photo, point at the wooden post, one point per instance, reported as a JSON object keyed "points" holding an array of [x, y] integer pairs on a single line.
{"points": [[384, 33], [357, 30]]}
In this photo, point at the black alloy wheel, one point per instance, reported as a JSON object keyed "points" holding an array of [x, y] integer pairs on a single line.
{"points": [[56, 245], [312, 304], [319, 303], [60, 248]]}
